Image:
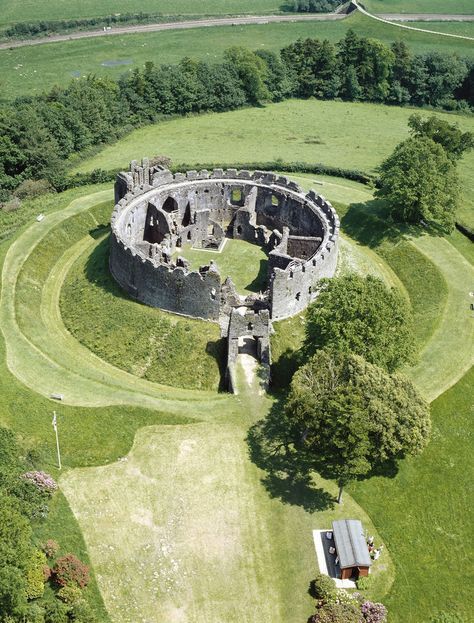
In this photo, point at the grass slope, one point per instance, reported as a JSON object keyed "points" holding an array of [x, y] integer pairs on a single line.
{"points": [[146, 342], [423, 516], [41, 352], [30, 70]]}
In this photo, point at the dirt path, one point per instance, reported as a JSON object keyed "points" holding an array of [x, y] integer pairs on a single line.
{"points": [[227, 21]]}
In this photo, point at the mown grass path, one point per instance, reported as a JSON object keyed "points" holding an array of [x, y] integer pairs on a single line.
{"points": [[46, 358]]}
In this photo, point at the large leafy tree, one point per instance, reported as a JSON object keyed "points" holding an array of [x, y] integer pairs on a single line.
{"points": [[419, 181], [361, 315], [252, 72], [347, 418], [453, 140]]}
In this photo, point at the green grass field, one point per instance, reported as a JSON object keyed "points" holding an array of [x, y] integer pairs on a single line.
{"points": [[219, 550], [461, 7], [30, 70], [36, 10], [335, 133]]}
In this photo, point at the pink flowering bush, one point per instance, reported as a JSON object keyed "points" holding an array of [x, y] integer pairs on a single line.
{"points": [[44, 482], [373, 612]]}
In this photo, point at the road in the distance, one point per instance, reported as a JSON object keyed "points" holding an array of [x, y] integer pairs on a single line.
{"points": [[219, 21]]}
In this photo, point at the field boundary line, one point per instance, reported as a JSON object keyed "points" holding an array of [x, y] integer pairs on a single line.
{"points": [[386, 21]]}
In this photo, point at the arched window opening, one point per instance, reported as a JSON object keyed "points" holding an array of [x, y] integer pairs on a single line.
{"points": [[170, 205]]}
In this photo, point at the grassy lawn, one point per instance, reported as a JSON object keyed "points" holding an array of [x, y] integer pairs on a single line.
{"points": [[36, 10], [422, 515], [419, 6], [30, 70], [245, 263], [146, 342], [187, 532], [295, 130]]}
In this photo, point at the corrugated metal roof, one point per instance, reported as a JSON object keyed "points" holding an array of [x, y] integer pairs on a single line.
{"points": [[350, 543]]}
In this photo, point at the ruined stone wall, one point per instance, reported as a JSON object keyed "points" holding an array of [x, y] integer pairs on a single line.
{"points": [[298, 230]]}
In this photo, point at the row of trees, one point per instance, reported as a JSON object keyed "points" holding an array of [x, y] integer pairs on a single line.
{"points": [[26, 568], [37, 134], [315, 6]]}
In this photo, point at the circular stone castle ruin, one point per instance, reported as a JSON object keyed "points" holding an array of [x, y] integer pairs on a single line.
{"points": [[158, 213]]}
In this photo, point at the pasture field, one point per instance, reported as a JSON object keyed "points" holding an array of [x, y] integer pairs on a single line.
{"points": [[12, 11], [334, 133], [33, 69], [460, 7]]}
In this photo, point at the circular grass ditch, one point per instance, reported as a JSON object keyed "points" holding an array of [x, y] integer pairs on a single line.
{"points": [[147, 342]]}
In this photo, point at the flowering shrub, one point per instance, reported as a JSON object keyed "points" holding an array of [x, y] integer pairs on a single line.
{"points": [[50, 548], [44, 482], [373, 612], [70, 594], [70, 570]]}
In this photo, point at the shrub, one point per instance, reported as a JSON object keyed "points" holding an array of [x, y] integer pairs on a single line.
{"points": [[82, 612], [12, 205], [35, 575], [56, 612], [69, 594], [322, 588], [70, 570], [44, 482], [50, 548], [33, 188], [374, 612], [364, 583], [336, 613], [35, 613]]}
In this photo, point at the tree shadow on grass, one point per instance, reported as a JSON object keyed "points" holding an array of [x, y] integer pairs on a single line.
{"points": [[371, 224], [288, 477]]}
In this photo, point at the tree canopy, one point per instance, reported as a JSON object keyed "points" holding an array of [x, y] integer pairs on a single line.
{"points": [[361, 315], [347, 418], [454, 141], [419, 181]]}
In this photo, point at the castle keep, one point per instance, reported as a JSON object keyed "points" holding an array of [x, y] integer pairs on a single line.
{"points": [[158, 213]]}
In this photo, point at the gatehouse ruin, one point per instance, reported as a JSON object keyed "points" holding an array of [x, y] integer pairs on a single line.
{"points": [[158, 213]]}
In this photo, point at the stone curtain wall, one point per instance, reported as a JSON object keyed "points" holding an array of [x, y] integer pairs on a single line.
{"points": [[299, 231]]}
